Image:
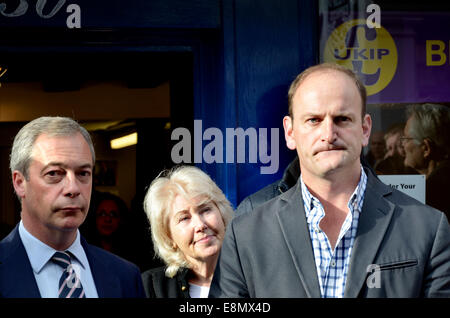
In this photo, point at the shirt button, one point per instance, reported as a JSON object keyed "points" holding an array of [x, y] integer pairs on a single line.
{"points": [[333, 263]]}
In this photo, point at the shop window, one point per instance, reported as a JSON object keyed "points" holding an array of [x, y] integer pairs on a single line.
{"points": [[401, 51]]}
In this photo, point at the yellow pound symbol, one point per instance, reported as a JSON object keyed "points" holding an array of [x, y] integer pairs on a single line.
{"points": [[370, 53]]}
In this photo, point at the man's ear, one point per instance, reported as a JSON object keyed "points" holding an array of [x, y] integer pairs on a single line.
{"points": [[288, 126], [366, 128], [19, 183], [426, 146]]}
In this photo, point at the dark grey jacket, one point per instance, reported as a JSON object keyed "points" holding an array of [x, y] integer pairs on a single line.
{"points": [[289, 179], [267, 252]]}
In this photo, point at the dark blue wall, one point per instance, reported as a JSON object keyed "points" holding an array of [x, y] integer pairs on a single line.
{"points": [[266, 44], [245, 54]]}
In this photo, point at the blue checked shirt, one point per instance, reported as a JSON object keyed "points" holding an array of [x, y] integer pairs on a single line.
{"points": [[332, 266]]}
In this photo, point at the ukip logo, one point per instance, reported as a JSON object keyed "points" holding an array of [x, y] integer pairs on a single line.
{"points": [[370, 52]]}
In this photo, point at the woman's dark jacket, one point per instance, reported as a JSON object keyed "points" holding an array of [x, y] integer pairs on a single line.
{"points": [[158, 285]]}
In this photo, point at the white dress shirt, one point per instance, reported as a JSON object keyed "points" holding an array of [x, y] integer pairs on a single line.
{"points": [[47, 273]]}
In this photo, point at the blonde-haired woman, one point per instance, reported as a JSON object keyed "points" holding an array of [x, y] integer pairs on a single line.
{"points": [[188, 214]]}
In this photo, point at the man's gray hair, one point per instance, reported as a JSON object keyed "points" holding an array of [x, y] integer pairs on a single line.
{"points": [[432, 122], [21, 153]]}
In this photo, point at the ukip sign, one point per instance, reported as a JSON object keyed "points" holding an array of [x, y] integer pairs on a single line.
{"points": [[370, 52], [405, 60]]}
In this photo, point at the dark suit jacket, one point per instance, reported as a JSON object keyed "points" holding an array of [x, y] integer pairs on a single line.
{"points": [[437, 186], [289, 179], [158, 285], [268, 252], [114, 277]]}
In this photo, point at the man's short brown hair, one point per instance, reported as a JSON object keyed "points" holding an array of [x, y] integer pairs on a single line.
{"points": [[324, 67]]}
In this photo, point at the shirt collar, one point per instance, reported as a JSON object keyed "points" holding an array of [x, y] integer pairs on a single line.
{"points": [[310, 202], [40, 253], [357, 198]]}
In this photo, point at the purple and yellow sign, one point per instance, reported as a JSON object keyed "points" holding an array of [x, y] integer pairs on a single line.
{"points": [[405, 60]]}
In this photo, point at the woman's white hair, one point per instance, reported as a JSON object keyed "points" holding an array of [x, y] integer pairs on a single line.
{"points": [[189, 182]]}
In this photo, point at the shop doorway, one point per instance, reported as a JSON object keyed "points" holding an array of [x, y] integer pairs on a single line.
{"points": [[112, 94]]}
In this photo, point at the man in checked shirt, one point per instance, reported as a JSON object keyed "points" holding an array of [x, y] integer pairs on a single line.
{"points": [[339, 232]]}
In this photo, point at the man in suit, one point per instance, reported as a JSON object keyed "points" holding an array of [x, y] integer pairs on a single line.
{"points": [[339, 232], [52, 161], [270, 191]]}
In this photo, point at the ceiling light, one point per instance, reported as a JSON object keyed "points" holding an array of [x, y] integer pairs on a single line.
{"points": [[124, 141]]}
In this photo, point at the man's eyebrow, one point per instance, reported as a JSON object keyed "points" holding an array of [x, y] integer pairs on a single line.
{"points": [[310, 114], [62, 165], [345, 112], [87, 165]]}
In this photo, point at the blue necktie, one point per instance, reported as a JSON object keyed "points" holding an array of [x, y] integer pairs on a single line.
{"points": [[69, 283]]}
